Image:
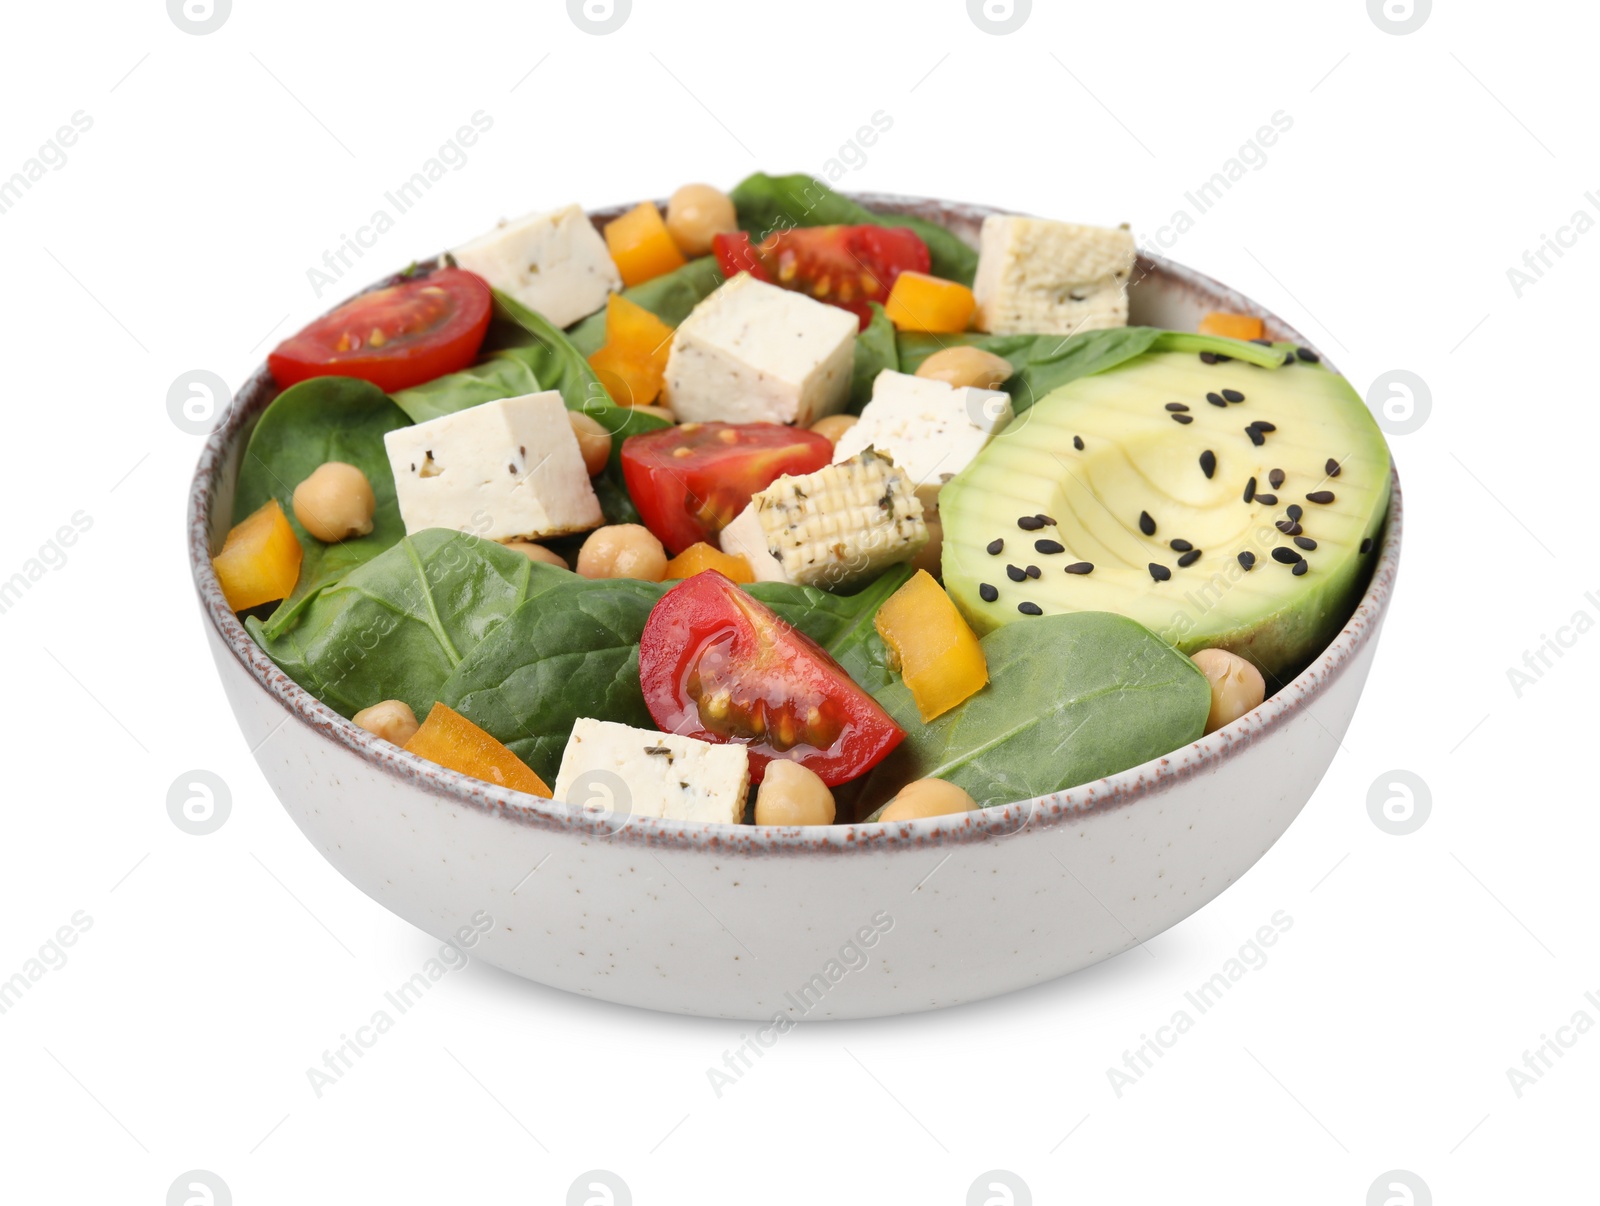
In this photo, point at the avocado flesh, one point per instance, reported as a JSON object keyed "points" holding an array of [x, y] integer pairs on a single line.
{"points": [[1137, 458]]}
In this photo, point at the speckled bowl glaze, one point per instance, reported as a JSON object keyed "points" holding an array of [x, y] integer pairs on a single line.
{"points": [[758, 923]]}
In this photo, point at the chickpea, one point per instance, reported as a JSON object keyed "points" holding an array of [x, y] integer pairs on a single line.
{"points": [[964, 365], [833, 427], [335, 502], [623, 550], [537, 552], [696, 212], [927, 798], [393, 720], [1236, 686], [792, 794], [594, 441], [660, 412]]}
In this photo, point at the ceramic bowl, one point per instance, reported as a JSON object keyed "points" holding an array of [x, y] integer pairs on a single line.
{"points": [[847, 921]]}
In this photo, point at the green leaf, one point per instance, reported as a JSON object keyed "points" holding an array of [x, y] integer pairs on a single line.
{"points": [[771, 203], [875, 351], [504, 374], [323, 419], [669, 297], [1042, 363], [1071, 699], [398, 626]]}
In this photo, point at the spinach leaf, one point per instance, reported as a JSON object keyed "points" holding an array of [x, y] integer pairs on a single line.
{"points": [[398, 626], [771, 203], [1046, 362], [504, 374], [669, 297], [323, 419], [1071, 698], [875, 351]]}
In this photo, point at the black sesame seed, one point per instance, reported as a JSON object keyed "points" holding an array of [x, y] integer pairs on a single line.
{"points": [[1046, 520], [1263, 425], [1288, 527], [1033, 571], [1188, 558], [1250, 489], [1081, 567], [1176, 406], [1208, 357], [1366, 544], [1015, 573], [1320, 496], [987, 593], [1179, 546], [1146, 524], [1267, 500], [1216, 399], [1222, 359], [1266, 343], [1159, 572], [1288, 357], [1247, 559], [1183, 419], [1077, 442], [1286, 555], [1276, 478], [1300, 567], [1233, 395], [1305, 542], [1208, 462], [1308, 355], [995, 546], [1255, 435], [1294, 511], [1332, 468], [1030, 523], [1049, 546], [1030, 609]]}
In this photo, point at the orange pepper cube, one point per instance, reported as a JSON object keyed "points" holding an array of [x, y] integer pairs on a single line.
{"points": [[260, 560], [633, 363], [925, 303], [1230, 326], [940, 659], [702, 556], [453, 741], [640, 246]]}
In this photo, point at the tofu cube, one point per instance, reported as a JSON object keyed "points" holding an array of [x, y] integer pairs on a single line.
{"points": [[499, 470], [555, 263], [1052, 278], [640, 773], [930, 429], [754, 353]]}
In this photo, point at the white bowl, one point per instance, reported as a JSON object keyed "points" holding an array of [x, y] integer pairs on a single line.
{"points": [[749, 922]]}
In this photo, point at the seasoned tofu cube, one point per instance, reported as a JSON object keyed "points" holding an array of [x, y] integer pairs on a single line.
{"points": [[752, 353], [1053, 278], [555, 263], [831, 529], [930, 429], [499, 470], [642, 773]]}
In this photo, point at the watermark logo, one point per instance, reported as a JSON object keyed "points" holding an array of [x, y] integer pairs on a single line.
{"points": [[1400, 400], [199, 1187], [599, 16], [1399, 16], [199, 17], [999, 16], [604, 800], [999, 1187], [599, 1187], [199, 802], [1399, 802], [1399, 1188], [198, 401]]}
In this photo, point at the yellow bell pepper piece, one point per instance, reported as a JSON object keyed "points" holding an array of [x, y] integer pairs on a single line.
{"points": [[925, 303], [633, 363], [940, 659], [1230, 326], [640, 245], [453, 741], [260, 560], [702, 556]]}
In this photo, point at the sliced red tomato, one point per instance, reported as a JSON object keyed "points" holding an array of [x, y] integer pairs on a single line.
{"points": [[846, 266], [718, 665], [394, 337], [691, 481]]}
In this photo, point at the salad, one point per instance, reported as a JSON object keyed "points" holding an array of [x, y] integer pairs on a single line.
{"points": [[771, 508]]}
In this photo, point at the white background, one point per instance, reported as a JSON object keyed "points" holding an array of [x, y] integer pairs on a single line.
{"points": [[178, 235]]}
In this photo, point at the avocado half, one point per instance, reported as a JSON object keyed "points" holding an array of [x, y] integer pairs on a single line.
{"points": [[1220, 504]]}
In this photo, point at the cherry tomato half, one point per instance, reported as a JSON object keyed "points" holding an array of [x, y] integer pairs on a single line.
{"points": [[395, 337], [691, 481], [846, 266], [719, 665]]}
